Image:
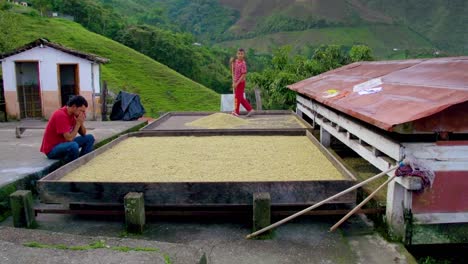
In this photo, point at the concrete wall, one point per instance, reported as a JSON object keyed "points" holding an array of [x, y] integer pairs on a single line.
{"points": [[49, 58]]}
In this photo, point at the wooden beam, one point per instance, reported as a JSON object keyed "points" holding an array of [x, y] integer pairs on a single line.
{"points": [[439, 158], [364, 152], [384, 144], [46, 209]]}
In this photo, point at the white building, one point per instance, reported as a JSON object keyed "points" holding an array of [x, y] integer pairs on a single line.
{"points": [[39, 77]]}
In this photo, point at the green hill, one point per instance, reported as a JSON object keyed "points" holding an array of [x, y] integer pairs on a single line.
{"points": [[161, 88], [380, 38], [329, 11], [418, 26], [440, 23]]}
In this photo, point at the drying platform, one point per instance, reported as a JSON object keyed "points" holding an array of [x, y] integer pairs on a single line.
{"points": [[280, 168]]}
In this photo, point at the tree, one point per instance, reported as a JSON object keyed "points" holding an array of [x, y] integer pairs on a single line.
{"points": [[285, 70], [360, 53], [42, 5], [330, 57]]}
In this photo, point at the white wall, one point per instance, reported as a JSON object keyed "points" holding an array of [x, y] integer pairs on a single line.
{"points": [[48, 59]]}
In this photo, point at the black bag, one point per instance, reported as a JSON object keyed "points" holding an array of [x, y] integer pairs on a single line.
{"points": [[127, 107]]}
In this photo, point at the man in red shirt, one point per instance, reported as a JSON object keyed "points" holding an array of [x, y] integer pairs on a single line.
{"points": [[60, 138]]}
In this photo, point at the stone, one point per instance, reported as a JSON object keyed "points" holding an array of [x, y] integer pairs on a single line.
{"points": [[261, 211], [21, 203], [135, 219]]}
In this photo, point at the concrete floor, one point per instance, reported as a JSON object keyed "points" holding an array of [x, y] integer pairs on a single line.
{"points": [[305, 240], [20, 157]]}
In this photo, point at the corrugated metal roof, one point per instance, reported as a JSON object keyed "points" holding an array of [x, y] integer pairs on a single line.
{"points": [[410, 90], [46, 42]]}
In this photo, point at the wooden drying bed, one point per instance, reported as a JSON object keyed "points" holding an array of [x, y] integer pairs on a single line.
{"points": [[194, 194]]}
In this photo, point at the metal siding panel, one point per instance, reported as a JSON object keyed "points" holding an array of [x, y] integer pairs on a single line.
{"points": [[448, 194]]}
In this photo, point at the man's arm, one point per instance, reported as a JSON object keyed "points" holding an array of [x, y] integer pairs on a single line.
{"points": [[82, 130], [234, 85], [69, 136]]}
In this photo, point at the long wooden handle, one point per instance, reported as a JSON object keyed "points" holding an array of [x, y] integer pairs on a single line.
{"points": [[319, 203], [232, 75], [333, 228]]}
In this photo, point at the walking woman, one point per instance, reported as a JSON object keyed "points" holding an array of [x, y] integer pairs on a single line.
{"points": [[239, 72]]}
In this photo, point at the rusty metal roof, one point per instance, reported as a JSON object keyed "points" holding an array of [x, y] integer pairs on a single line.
{"points": [[396, 92], [46, 42]]}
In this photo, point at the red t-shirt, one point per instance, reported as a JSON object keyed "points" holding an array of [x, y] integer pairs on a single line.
{"points": [[59, 123], [240, 67]]}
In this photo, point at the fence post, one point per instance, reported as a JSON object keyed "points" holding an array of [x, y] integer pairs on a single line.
{"points": [[104, 101]]}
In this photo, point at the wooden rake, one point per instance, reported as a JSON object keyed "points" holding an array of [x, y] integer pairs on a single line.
{"points": [[291, 217]]}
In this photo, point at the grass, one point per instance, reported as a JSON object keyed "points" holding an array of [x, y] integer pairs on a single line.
{"points": [[161, 88], [167, 259], [95, 245], [5, 192], [430, 260], [382, 39], [101, 244]]}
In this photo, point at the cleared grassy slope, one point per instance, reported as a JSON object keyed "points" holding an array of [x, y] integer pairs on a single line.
{"points": [[338, 11], [161, 88], [381, 38]]}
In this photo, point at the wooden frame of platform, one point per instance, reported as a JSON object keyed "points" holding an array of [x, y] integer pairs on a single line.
{"points": [[293, 193]]}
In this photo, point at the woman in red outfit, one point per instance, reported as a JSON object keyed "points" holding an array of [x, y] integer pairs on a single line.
{"points": [[239, 72]]}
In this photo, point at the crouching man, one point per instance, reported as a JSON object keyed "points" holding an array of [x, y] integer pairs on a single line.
{"points": [[60, 138]]}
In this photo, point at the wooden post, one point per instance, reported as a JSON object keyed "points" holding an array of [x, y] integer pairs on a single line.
{"points": [[299, 112], [325, 137], [104, 101], [398, 200], [134, 204], [258, 99], [261, 210], [22, 209]]}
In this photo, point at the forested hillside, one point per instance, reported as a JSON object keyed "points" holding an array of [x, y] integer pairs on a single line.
{"points": [[393, 29]]}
